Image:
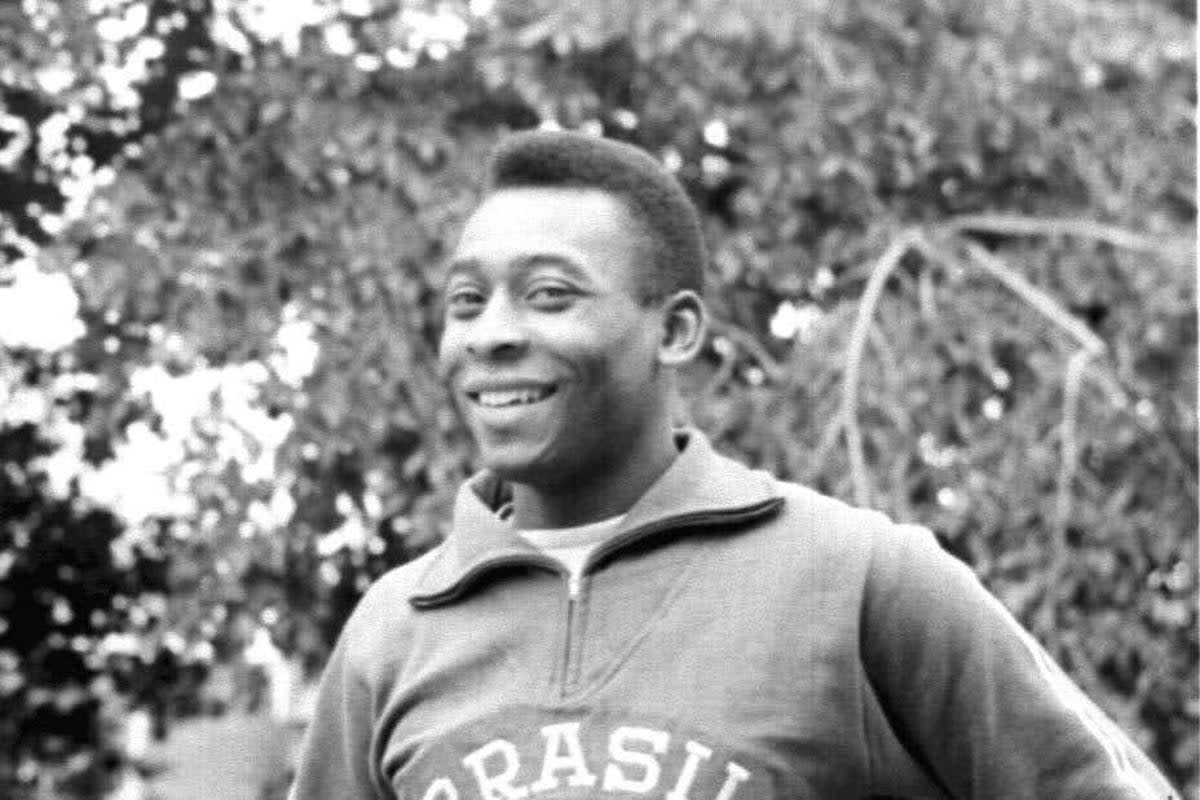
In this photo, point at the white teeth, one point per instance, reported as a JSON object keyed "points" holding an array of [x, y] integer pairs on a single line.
{"points": [[511, 397]]}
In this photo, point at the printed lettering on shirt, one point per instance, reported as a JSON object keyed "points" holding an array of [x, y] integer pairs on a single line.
{"points": [[615, 778], [556, 758], [558, 737], [735, 774], [496, 784], [696, 754]]}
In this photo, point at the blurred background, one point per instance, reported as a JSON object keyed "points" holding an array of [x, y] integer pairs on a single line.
{"points": [[953, 271]]}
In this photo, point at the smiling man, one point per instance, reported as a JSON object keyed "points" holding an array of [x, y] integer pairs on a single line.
{"points": [[560, 356], [619, 611]]}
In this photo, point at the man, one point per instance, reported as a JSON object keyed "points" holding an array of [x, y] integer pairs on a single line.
{"points": [[621, 612]]}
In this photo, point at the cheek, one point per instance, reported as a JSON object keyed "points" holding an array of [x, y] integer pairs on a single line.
{"points": [[620, 369], [449, 350]]}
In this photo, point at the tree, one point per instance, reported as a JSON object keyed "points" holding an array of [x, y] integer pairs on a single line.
{"points": [[950, 254]]}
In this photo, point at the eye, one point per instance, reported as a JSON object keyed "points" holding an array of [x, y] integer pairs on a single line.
{"points": [[464, 301], [550, 296]]}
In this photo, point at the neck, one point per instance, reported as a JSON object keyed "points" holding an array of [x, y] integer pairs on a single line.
{"points": [[610, 489]]}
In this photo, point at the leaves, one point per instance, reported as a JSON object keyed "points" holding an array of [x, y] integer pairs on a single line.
{"points": [[304, 205]]}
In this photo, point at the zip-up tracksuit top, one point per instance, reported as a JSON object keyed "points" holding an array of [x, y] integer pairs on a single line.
{"points": [[739, 638]]}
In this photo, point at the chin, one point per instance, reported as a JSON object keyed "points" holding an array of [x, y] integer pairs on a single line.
{"points": [[527, 465], [511, 461]]}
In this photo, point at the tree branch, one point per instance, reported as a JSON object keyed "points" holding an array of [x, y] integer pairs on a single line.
{"points": [[829, 438], [854, 352], [1068, 446], [1020, 286], [1017, 225], [927, 296], [1064, 494], [1091, 346]]}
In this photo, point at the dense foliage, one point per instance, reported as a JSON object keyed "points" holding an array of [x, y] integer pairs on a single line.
{"points": [[952, 248]]}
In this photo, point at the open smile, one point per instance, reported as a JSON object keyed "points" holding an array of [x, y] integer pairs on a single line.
{"points": [[505, 398]]}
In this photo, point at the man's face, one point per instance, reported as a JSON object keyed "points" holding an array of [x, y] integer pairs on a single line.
{"points": [[545, 347]]}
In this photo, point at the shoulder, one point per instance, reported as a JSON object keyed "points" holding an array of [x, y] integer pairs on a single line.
{"points": [[398, 584], [826, 521], [380, 626], [895, 571], [807, 505], [830, 529]]}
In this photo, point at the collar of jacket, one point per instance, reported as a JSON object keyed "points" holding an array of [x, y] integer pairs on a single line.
{"points": [[700, 488]]}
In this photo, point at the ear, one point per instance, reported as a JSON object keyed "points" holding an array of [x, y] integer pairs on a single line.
{"points": [[684, 324]]}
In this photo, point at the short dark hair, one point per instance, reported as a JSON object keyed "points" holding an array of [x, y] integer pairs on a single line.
{"points": [[653, 197]]}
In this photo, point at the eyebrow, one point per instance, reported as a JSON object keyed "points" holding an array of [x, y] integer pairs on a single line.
{"points": [[461, 266], [534, 260], [521, 264]]}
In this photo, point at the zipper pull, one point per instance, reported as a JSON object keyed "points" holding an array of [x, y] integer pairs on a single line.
{"points": [[574, 585]]}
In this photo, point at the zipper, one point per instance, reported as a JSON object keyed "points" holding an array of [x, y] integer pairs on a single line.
{"points": [[575, 583]]}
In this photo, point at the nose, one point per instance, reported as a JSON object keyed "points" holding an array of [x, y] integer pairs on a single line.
{"points": [[496, 333]]}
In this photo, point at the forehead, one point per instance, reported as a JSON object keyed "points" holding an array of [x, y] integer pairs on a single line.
{"points": [[585, 225]]}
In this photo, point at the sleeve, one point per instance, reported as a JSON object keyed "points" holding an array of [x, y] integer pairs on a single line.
{"points": [[335, 759], [975, 697]]}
